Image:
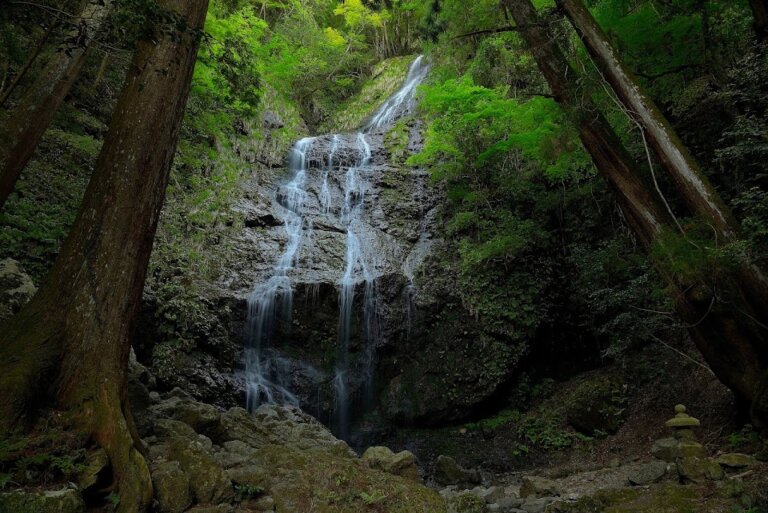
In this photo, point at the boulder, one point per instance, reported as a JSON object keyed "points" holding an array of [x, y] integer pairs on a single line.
{"points": [[648, 474], [509, 503], [221, 508], [535, 486], [697, 470], [597, 406], [714, 472], [208, 481], [166, 429], [532, 505], [665, 449], [16, 288], [491, 495], [448, 472], [467, 503], [172, 489], [401, 464], [690, 449], [249, 475], [201, 417], [735, 460], [66, 500]]}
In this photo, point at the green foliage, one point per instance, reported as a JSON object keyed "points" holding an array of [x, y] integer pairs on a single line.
{"points": [[114, 500], [246, 492], [468, 503]]}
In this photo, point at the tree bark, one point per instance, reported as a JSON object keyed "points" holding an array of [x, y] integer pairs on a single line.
{"points": [[729, 342], [691, 182], [760, 13], [693, 185], [27, 122], [28, 64], [69, 346]]}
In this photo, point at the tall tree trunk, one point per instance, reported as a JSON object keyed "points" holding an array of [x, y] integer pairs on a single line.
{"points": [[689, 179], [73, 336], [6, 93], [760, 13], [729, 344], [693, 185], [28, 121]]}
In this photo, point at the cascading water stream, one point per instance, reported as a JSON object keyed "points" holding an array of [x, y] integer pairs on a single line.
{"points": [[272, 301], [402, 101], [343, 197]]}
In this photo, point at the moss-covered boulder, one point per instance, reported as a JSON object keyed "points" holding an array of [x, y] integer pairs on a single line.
{"points": [[207, 480], [65, 500], [597, 407], [171, 485], [402, 463], [16, 288], [448, 472], [467, 503], [281, 453]]}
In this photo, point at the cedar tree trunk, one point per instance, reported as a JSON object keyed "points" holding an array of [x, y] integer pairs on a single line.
{"points": [[730, 345], [69, 346], [26, 123]]}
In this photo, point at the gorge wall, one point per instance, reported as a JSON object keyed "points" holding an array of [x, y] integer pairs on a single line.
{"points": [[338, 290]]}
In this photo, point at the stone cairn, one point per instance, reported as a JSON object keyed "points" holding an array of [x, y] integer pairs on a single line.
{"points": [[688, 457]]}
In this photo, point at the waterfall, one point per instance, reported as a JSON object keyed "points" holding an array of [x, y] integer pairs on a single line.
{"points": [[272, 301], [330, 187], [402, 101]]}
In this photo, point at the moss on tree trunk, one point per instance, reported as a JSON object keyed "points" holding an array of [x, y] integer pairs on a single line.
{"points": [[732, 343], [28, 121], [69, 346]]}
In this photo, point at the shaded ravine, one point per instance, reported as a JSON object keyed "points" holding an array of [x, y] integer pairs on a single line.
{"points": [[338, 196]]}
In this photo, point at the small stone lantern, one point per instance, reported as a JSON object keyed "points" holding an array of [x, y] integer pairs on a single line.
{"points": [[682, 425]]}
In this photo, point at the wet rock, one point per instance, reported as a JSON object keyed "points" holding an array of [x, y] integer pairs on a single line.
{"points": [[401, 464], [16, 288], [448, 472], [535, 486], [171, 485], [648, 474], [66, 500], [735, 460]]}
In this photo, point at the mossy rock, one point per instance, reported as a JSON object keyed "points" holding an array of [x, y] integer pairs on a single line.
{"points": [[666, 498], [171, 486], [598, 406], [467, 503], [66, 500], [386, 78], [320, 481]]}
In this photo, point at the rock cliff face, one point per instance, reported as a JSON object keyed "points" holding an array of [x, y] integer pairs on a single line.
{"points": [[429, 360]]}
